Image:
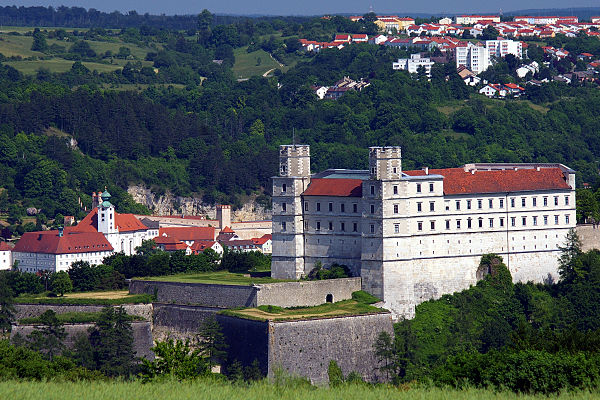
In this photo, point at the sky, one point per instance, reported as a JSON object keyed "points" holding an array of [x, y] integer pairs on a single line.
{"points": [[306, 7]]}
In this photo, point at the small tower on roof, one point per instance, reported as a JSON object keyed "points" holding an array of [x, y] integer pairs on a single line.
{"points": [[106, 215]]}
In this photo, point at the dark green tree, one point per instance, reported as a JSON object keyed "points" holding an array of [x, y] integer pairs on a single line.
{"points": [[175, 358], [7, 308], [60, 283], [570, 266], [112, 340], [49, 336], [211, 342], [335, 374], [39, 41]]}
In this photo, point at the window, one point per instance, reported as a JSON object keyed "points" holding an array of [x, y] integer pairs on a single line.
{"points": [[458, 204], [524, 221], [468, 204], [372, 190], [566, 200], [355, 208], [431, 206], [395, 170], [458, 224], [556, 220], [419, 226], [395, 189], [469, 223], [342, 227], [284, 188], [432, 223], [566, 219], [283, 226], [555, 200], [431, 187], [419, 208], [418, 188], [372, 209], [395, 208], [513, 221], [330, 207], [479, 203], [501, 203], [523, 201], [284, 206], [283, 169], [447, 224], [491, 203], [545, 202], [305, 206], [372, 228], [396, 228], [330, 225], [481, 222], [534, 220], [342, 207], [501, 221], [491, 222], [354, 227], [318, 227], [318, 206], [306, 224], [534, 201], [512, 202], [545, 220]]}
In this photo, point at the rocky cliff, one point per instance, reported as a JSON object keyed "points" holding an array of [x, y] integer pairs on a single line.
{"points": [[169, 204]]}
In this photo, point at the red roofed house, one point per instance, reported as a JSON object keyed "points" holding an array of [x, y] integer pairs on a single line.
{"points": [[192, 239], [416, 235]]}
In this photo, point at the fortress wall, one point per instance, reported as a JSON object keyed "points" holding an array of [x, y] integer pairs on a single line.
{"points": [[307, 293], [589, 235], [179, 321], [35, 310]]}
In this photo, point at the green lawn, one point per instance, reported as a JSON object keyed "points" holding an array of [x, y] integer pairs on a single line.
{"points": [[327, 310], [283, 389], [75, 318], [93, 298], [246, 63], [57, 65], [11, 46], [217, 277]]}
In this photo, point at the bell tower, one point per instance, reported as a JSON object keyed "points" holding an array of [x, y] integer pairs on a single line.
{"points": [[106, 215]]}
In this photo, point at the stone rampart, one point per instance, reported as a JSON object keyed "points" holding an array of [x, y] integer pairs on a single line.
{"points": [[35, 310], [179, 321], [142, 335], [221, 296], [306, 347], [307, 293], [589, 235]]}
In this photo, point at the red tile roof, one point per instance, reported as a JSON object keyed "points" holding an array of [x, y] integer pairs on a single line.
{"points": [[5, 247], [227, 230], [262, 240], [200, 246], [191, 233], [48, 242], [334, 187], [457, 181], [125, 223]]}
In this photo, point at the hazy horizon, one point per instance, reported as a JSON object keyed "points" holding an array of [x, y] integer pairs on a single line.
{"points": [[309, 7]]}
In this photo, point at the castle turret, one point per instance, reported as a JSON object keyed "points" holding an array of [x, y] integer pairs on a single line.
{"points": [[106, 215], [288, 222], [223, 215]]}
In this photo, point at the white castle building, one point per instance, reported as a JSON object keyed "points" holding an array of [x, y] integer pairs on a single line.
{"points": [[415, 235]]}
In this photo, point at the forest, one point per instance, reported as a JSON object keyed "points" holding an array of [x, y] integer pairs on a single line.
{"points": [[66, 134]]}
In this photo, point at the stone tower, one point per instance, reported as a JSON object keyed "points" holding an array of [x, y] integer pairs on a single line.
{"points": [[224, 215], [106, 215], [288, 224]]}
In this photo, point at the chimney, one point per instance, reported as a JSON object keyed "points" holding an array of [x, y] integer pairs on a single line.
{"points": [[537, 168], [60, 231], [426, 169]]}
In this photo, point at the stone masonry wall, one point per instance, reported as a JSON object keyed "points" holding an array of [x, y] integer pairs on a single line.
{"points": [[142, 335], [589, 235], [179, 321], [35, 310], [306, 293], [247, 340], [222, 296]]}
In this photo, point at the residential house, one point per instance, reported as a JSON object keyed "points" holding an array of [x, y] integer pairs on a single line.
{"points": [[5, 256], [413, 64]]}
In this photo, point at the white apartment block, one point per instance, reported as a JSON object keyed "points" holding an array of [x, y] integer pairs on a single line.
{"points": [[413, 63], [474, 58], [501, 48], [416, 235], [473, 19]]}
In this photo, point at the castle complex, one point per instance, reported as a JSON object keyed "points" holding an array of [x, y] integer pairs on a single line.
{"points": [[415, 235]]}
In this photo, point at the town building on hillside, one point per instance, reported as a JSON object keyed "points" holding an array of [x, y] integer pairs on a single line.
{"points": [[413, 64], [474, 19], [503, 47], [5, 256], [55, 251], [547, 20], [416, 235], [475, 58]]}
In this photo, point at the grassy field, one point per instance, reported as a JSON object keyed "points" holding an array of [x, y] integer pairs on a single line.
{"points": [[57, 65], [345, 307], [17, 46], [263, 390], [217, 277], [75, 318], [113, 297], [245, 63]]}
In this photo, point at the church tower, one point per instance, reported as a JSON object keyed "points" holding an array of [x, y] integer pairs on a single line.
{"points": [[288, 223], [106, 215]]}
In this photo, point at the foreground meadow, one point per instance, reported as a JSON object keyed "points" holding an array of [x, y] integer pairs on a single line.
{"points": [[224, 390]]}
